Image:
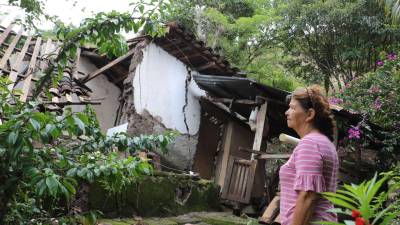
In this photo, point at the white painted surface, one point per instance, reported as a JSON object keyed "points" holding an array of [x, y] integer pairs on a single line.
{"points": [[102, 89], [159, 87], [118, 129]]}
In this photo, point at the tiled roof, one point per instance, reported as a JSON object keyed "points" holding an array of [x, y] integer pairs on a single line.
{"points": [[22, 57]]}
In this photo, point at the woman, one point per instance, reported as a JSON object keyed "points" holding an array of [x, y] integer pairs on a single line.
{"points": [[313, 166]]}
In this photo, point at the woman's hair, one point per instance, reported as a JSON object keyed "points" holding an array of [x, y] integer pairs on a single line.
{"points": [[312, 97]]}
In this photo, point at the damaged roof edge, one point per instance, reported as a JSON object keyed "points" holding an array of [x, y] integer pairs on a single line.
{"points": [[178, 42], [217, 86]]}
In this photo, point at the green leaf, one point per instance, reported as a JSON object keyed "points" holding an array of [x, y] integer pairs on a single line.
{"points": [[340, 196], [79, 122], [339, 211], [72, 172], [35, 124], [52, 186], [40, 187], [382, 213], [326, 223], [12, 137], [340, 202]]}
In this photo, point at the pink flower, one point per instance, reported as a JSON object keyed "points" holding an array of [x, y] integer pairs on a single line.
{"points": [[378, 103], [335, 101], [379, 63], [391, 56], [354, 132]]}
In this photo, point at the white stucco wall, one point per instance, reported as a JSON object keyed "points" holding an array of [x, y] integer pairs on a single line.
{"points": [[102, 88], [159, 88]]}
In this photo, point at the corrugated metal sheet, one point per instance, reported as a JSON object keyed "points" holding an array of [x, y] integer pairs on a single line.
{"points": [[238, 88]]}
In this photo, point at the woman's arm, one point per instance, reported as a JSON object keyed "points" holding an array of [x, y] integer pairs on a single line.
{"points": [[304, 207]]}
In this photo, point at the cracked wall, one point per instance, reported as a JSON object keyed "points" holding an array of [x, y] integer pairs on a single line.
{"points": [[163, 96]]}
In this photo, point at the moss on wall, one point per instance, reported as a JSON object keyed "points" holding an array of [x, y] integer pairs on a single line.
{"points": [[164, 194], [196, 218]]}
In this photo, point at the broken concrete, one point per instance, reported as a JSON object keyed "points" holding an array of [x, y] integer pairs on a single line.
{"points": [[180, 153]]}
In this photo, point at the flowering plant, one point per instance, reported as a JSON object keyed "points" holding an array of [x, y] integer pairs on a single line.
{"points": [[376, 96], [363, 202]]}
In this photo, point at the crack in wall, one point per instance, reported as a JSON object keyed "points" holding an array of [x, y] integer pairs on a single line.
{"points": [[187, 81]]}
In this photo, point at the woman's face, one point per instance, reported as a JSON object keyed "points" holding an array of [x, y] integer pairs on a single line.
{"points": [[296, 115]]}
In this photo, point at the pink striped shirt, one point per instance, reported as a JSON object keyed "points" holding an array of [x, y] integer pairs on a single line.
{"points": [[313, 166]]}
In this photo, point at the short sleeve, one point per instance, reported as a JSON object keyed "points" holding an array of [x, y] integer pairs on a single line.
{"points": [[308, 163]]}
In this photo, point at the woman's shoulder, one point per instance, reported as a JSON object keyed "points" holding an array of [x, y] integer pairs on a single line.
{"points": [[315, 137], [320, 142], [317, 140]]}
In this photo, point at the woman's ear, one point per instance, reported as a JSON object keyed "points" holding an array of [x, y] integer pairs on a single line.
{"points": [[310, 115]]}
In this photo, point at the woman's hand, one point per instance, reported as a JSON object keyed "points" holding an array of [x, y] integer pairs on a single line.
{"points": [[304, 207]]}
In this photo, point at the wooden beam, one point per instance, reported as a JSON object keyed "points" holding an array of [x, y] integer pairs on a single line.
{"points": [[273, 156], [76, 64], [235, 101], [226, 109], [271, 212], [45, 53], [16, 67], [260, 122], [225, 154], [108, 66], [10, 49], [70, 103], [31, 69], [6, 32], [119, 68], [263, 155]]}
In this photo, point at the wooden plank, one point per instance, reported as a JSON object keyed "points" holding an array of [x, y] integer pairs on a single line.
{"points": [[16, 67], [76, 65], [228, 178], [108, 66], [242, 187], [6, 32], [261, 118], [273, 156], [45, 53], [31, 68], [239, 180], [226, 109], [10, 49], [225, 155], [263, 155], [278, 219], [229, 101], [271, 212], [71, 103], [250, 181]]}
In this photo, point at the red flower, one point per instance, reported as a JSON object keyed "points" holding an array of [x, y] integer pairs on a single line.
{"points": [[355, 213], [360, 221]]}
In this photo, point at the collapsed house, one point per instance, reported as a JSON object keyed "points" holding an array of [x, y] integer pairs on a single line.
{"points": [[224, 122]]}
